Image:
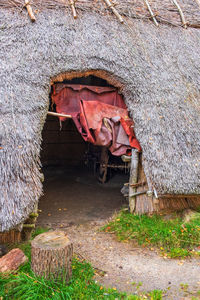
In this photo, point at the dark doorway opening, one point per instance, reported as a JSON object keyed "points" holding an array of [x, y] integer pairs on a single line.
{"points": [[73, 193]]}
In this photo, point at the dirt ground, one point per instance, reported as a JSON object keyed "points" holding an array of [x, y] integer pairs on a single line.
{"points": [[73, 196], [80, 205]]}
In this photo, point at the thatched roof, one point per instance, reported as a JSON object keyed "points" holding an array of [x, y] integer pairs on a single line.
{"points": [[156, 67], [174, 12]]}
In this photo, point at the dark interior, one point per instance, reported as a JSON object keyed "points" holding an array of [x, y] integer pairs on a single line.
{"points": [[72, 190]]}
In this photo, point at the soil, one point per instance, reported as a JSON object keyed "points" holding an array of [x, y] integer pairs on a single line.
{"points": [[80, 206]]}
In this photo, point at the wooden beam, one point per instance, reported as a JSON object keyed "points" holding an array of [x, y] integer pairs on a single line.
{"points": [[178, 196], [51, 113]]}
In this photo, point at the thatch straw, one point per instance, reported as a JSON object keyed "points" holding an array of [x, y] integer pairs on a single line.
{"points": [[163, 11], [158, 72]]}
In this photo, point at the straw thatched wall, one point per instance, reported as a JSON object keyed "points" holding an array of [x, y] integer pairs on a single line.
{"points": [[157, 68]]}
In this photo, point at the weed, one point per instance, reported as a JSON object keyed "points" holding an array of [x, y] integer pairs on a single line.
{"points": [[173, 237], [184, 286]]}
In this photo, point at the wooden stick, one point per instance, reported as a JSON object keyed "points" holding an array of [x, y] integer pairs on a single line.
{"points": [[151, 12], [51, 113], [71, 2], [28, 225], [198, 2], [135, 184], [30, 11], [139, 193], [115, 12], [194, 25], [181, 13], [113, 166], [33, 215]]}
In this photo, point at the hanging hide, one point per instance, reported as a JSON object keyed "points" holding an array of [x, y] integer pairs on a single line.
{"points": [[99, 114]]}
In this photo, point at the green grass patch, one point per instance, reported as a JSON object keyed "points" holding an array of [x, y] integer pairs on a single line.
{"points": [[172, 237], [25, 285]]}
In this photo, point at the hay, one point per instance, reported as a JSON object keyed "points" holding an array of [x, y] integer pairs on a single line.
{"points": [[157, 70]]}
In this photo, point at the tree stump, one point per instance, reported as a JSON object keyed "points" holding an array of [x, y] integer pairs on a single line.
{"points": [[52, 255]]}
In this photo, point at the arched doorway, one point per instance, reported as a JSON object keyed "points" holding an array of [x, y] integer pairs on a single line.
{"points": [[83, 181]]}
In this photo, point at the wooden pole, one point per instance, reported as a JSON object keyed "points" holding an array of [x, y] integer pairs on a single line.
{"points": [[133, 179], [115, 12], [51, 113], [103, 164], [30, 11]]}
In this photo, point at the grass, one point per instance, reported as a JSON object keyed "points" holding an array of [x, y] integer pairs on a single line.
{"points": [[173, 238], [25, 285]]}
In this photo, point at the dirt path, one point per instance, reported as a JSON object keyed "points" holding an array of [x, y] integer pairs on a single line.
{"points": [[80, 206], [125, 264]]}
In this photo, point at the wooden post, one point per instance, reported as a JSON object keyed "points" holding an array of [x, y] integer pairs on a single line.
{"points": [[51, 254], [133, 179], [103, 164], [29, 224]]}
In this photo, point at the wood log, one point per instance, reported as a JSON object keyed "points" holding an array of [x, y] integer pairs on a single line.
{"points": [[12, 260], [51, 254]]}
